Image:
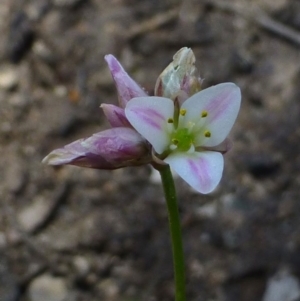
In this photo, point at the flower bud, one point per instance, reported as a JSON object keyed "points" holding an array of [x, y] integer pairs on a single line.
{"points": [[179, 79], [110, 149], [126, 86]]}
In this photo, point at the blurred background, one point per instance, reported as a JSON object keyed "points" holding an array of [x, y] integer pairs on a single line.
{"points": [[79, 234]]}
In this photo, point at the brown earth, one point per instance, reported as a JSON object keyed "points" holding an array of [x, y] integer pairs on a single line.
{"points": [[79, 234]]}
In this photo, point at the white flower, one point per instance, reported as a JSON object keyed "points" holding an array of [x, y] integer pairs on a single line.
{"points": [[185, 137]]}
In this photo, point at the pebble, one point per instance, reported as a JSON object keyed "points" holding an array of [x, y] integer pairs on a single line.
{"points": [[8, 77], [32, 216], [81, 265], [43, 51], [283, 286], [48, 288], [109, 288], [207, 211]]}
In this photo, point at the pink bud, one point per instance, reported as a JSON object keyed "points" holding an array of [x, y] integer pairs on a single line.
{"points": [[110, 149], [126, 86]]}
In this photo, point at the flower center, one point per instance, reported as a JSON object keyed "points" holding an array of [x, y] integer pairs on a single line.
{"points": [[182, 140]]}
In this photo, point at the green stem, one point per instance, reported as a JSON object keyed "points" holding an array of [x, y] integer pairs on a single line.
{"points": [[175, 229]]}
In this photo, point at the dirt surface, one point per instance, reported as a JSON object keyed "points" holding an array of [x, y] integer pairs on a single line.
{"points": [[79, 234]]}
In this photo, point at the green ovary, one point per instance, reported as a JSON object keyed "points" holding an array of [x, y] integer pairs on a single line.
{"points": [[182, 139]]}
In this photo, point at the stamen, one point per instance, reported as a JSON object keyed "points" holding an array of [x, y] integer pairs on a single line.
{"points": [[182, 112], [175, 141], [207, 134], [204, 114], [170, 120]]}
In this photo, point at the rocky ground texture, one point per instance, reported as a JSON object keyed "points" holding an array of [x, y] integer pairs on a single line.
{"points": [[78, 234]]}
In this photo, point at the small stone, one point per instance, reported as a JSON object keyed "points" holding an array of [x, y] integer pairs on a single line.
{"points": [[81, 265], [48, 288], [109, 288], [283, 286], [196, 269], [8, 77], [60, 91], [208, 211], [32, 216]]}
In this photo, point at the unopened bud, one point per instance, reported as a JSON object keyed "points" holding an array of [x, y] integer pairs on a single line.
{"points": [[179, 79], [109, 149]]}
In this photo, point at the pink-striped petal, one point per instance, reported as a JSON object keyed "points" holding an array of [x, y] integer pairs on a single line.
{"points": [[149, 115], [222, 104], [126, 86], [201, 170]]}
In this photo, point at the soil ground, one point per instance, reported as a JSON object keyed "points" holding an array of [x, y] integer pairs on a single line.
{"points": [[81, 234]]}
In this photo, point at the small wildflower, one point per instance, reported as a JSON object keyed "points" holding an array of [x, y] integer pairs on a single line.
{"points": [[191, 146], [181, 125]]}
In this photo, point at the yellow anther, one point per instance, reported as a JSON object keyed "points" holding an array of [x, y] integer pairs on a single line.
{"points": [[175, 141], [182, 112], [207, 134], [204, 114], [170, 120]]}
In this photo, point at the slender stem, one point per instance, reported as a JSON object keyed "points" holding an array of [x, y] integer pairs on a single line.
{"points": [[175, 229]]}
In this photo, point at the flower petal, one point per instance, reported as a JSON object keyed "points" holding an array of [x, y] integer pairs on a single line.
{"points": [[115, 115], [110, 149], [222, 104], [149, 115], [126, 86], [201, 170]]}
